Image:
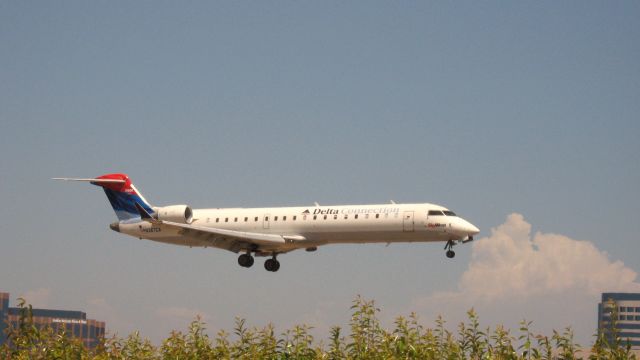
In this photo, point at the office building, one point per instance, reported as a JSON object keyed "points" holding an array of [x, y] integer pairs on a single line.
{"points": [[626, 308], [75, 323]]}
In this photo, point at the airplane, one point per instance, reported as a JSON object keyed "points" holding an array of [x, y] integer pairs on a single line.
{"points": [[269, 232]]}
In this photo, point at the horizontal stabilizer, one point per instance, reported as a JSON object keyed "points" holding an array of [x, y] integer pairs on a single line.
{"points": [[96, 181]]}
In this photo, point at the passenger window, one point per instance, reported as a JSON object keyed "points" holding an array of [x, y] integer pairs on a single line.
{"points": [[294, 217], [256, 219], [325, 217], [226, 219], [355, 216], [217, 219], [315, 217], [246, 219], [346, 216], [335, 217], [266, 218], [284, 218], [377, 216], [275, 218], [235, 220]]}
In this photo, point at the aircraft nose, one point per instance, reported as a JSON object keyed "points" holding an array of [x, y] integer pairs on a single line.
{"points": [[468, 228], [115, 226]]}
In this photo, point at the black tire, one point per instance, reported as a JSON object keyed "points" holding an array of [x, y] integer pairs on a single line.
{"points": [[451, 254], [245, 260], [276, 265], [269, 265]]}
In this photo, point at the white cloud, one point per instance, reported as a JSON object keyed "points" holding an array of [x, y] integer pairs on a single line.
{"points": [[548, 278], [38, 298], [511, 263], [99, 309], [180, 314]]}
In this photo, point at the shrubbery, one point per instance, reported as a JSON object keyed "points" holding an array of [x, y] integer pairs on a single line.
{"points": [[366, 339]]}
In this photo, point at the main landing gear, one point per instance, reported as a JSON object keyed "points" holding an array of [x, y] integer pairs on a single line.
{"points": [[272, 264], [246, 260], [449, 247]]}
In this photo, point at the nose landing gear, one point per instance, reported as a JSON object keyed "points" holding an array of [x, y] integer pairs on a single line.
{"points": [[449, 247]]}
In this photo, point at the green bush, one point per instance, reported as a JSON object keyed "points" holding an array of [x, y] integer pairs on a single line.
{"points": [[367, 340]]}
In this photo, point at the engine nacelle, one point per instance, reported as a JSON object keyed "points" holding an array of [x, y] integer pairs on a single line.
{"points": [[175, 213]]}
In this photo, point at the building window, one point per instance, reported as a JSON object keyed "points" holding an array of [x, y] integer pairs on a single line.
{"points": [[623, 309], [637, 318], [638, 309]]}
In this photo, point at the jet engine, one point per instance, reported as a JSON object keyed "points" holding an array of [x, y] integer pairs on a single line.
{"points": [[175, 213]]}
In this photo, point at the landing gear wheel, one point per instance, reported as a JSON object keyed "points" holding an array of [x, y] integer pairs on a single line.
{"points": [[272, 265], [449, 247], [245, 260]]}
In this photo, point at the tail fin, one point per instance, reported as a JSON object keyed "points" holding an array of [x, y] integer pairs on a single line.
{"points": [[122, 194]]}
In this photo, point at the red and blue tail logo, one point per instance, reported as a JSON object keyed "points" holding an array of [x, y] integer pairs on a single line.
{"points": [[122, 195]]}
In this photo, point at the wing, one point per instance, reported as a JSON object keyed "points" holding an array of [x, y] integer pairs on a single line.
{"points": [[230, 239], [238, 240]]}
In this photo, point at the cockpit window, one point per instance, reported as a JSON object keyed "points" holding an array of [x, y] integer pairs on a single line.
{"points": [[449, 213], [435, 213]]}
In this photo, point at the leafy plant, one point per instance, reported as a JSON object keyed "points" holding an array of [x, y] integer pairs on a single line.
{"points": [[408, 339]]}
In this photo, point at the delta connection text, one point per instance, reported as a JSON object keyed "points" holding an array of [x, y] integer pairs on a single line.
{"points": [[330, 211]]}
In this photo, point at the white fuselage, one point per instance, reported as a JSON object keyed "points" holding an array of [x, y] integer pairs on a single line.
{"points": [[309, 227]]}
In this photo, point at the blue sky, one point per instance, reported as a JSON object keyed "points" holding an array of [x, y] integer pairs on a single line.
{"points": [[487, 108]]}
